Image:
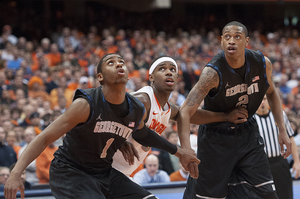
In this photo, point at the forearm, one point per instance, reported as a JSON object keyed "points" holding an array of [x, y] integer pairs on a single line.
{"points": [[295, 153], [183, 128], [276, 107], [204, 117], [149, 138]]}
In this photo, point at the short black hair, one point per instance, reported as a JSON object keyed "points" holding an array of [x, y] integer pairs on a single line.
{"points": [[99, 67], [236, 23]]}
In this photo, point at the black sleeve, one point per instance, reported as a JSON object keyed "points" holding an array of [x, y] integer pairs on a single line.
{"points": [[149, 138]]}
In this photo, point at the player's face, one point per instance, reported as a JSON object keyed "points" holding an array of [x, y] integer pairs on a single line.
{"points": [[114, 70], [234, 41], [164, 76]]}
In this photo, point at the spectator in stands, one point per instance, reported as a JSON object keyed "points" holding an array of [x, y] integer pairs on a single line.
{"points": [[4, 174], [35, 122], [43, 162], [7, 154], [29, 135], [151, 174], [27, 110], [35, 88], [7, 30], [168, 162], [66, 92], [11, 139]]}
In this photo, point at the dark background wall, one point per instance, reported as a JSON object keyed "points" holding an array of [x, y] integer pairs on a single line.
{"points": [[35, 19]]}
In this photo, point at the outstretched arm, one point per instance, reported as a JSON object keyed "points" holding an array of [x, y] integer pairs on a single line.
{"points": [[209, 79], [77, 112], [276, 107]]}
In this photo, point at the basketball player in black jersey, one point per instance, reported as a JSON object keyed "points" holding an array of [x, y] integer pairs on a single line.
{"points": [[96, 124], [234, 77]]}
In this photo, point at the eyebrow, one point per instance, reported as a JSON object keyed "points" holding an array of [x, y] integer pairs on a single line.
{"points": [[119, 57]]}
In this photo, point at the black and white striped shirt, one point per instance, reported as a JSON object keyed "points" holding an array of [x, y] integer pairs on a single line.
{"points": [[269, 132]]}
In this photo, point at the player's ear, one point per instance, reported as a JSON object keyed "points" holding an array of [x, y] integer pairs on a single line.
{"points": [[151, 78], [100, 77]]}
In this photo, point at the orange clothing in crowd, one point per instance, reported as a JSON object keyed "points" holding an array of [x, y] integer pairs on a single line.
{"points": [[134, 73], [100, 52], [43, 162], [43, 94], [68, 95], [16, 149], [176, 176], [53, 59]]}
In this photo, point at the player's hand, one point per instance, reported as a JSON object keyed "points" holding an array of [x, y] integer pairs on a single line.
{"points": [[186, 156], [237, 115], [283, 139], [129, 152], [296, 170], [12, 186], [193, 169]]}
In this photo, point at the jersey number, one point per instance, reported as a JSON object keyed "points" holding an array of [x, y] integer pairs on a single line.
{"points": [[104, 151], [243, 101]]}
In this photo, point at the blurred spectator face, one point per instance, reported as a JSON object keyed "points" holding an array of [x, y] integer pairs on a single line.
{"points": [[28, 109], [9, 47], [54, 48], [66, 32], [2, 78], [11, 138], [6, 113], [4, 174], [21, 103], [19, 81], [46, 105], [15, 115], [151, 164], [63, 82], [68, 74], [7, 125], [29, 134], [29, 46], [19, 131], [173, 138], [45, 43], [2, 135], [62, 102]]}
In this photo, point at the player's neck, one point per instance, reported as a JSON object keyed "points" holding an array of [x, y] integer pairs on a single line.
{"points": [[235, 63], [161, 96], [114, 95]]}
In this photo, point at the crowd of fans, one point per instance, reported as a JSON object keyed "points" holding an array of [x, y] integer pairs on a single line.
{"points": [[38, 80]]}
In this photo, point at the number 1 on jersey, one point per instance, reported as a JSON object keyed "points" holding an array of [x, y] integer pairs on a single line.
{"points": [[104, 151]]}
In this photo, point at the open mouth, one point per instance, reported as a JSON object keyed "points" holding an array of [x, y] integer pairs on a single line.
{"points": [[231, 49], [121, 72], [170, 81]]}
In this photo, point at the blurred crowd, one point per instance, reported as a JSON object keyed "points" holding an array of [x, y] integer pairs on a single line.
{"points": [[38, 79]]}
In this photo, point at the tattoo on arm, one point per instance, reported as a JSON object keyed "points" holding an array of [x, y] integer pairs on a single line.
{"points": [[209, 79]]}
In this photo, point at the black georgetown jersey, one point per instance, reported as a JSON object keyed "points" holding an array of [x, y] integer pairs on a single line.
{"points": [[236, 90], [90, 146]]}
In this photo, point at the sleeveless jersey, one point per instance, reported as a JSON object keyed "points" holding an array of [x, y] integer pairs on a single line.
{"points": [[157, 121], [90, 146], [235, 90]]}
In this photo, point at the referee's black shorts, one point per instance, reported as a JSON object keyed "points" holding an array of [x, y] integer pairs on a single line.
{"points": [[227, 156], [68, 182]]}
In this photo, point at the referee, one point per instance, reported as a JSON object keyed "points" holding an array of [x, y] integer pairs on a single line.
{"points": [[279, 166]]}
